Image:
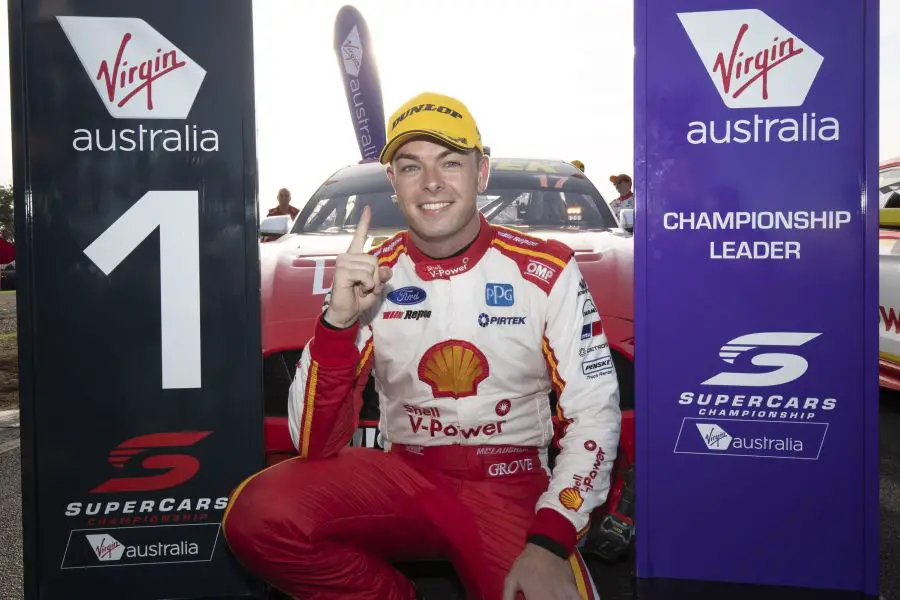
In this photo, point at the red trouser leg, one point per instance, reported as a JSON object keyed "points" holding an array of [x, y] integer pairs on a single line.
{"points": [[485, 522], [328, 529]]}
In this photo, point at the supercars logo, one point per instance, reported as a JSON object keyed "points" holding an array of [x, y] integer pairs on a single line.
{"points": [[137, 72], [167, 470], [453, 369], [789, 366], [752, 60]]}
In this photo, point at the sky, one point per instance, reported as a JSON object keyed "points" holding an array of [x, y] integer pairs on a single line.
{"points": [[510, 61]]}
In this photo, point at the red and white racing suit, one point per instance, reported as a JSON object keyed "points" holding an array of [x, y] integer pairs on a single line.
{"points": [[465, 352]]}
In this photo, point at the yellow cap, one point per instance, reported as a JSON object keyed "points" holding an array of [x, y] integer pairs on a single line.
{"points": [[578, 164], [440, 117]]}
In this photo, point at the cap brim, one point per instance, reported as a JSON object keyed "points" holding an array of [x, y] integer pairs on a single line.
{"points": [[391, 147]]}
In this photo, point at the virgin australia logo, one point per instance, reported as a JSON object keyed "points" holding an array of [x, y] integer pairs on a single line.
{"points": [[753, 61], [352, 52], [714, 436]]}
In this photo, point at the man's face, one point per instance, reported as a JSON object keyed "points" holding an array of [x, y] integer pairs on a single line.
{"points": [[437, 187], [284, 197]]}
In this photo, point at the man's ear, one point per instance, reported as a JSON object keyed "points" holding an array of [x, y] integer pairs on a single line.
{"points": [[484, 173], [390, 175]]}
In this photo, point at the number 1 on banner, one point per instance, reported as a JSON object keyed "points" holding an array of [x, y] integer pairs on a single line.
{"points": [[176, 213]]}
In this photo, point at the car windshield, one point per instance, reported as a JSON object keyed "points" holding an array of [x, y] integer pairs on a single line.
{"points": [[889, 188], [521, 194]]}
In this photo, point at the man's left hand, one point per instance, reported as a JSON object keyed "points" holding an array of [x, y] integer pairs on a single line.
{"points": [[540, 575]]}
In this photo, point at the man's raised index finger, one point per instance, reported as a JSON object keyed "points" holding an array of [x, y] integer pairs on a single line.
{"points": [[362, 229]]}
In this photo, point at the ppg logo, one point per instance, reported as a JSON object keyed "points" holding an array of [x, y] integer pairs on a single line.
{"points": [[499, 294]]}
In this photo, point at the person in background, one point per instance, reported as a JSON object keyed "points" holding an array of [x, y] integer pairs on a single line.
{"points": [[622, 184], [284, 205], [578, 165]]}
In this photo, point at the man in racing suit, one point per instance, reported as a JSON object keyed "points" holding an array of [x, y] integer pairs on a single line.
{"points": [[468, 328]]}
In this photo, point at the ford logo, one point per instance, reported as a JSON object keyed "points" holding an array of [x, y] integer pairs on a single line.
{"points": [[407, 295]]}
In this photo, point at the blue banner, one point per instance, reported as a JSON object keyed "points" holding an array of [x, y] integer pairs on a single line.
{"points": [[359, 72], [756, 137]]}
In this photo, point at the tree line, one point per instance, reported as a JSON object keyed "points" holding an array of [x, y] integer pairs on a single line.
{"points": [[7, 216]]}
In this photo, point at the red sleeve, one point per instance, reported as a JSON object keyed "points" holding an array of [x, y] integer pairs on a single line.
{"points": [[326, 395]]}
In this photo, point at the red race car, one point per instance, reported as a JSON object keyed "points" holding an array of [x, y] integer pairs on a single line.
{"points": [[544, 198], [889, 274]]}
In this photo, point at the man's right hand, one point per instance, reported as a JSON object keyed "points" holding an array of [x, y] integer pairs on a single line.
{"points": [[358, 280]]}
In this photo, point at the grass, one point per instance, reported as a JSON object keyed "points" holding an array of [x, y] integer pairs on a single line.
{"points": [[9, 371]]}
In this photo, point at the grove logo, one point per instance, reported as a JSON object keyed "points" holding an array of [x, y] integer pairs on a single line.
{"points": [[753, 61], [137, 72]]}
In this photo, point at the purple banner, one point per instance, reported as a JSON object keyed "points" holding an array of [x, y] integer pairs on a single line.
{"points": [[756, 288], [362, 85]]}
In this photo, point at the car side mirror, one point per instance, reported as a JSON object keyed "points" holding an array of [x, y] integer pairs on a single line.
{"points": [[626, 219], [277, 225]]}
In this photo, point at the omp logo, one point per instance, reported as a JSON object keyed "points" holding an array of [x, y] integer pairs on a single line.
{"points": [[176, 468], [106, 547], [753, 61], [137, 72], [789, 366], [541, 271], [352, 52], [714, 436]]}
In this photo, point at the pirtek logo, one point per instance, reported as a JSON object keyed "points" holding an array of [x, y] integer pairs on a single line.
{"points": [[431, 107], [137, 72], [753, 61], [179, 468]]}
